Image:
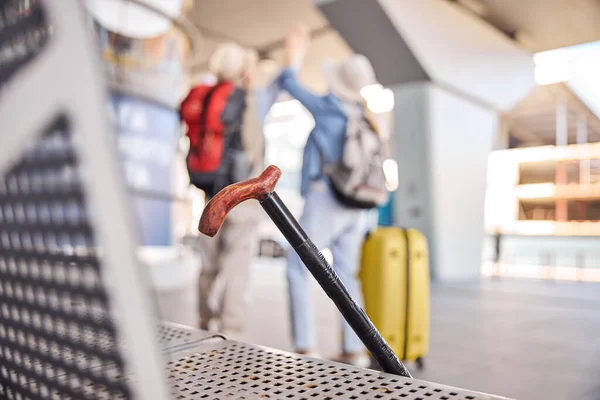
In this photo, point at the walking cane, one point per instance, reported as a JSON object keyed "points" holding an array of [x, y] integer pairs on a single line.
{"points": [[262, 189]]}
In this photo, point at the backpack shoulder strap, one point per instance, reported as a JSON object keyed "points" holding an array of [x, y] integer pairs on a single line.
{"points": [[206, 102], [235, 107]]}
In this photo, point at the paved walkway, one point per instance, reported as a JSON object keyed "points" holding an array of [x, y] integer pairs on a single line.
{"points": [[523, 339]]}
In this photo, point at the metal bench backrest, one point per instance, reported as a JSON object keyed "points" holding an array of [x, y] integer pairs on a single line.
{"points": [[71, 294]]}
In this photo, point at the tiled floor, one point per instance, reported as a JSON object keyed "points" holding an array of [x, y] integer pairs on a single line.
{"points": [[521, 339]]}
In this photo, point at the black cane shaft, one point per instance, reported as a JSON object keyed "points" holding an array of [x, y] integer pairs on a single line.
{"points": [[352, 312], [332, 285]]}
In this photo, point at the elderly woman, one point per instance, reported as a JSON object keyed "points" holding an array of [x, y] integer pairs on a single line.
{"points": [[325, 219]]}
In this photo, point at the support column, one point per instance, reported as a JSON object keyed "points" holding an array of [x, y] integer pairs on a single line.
{"points": [[562, 123], [562, 139], [582, 138], [445, 116], [562, 205], [503, 140], [582, 207], [443, 169], [584, 165]]}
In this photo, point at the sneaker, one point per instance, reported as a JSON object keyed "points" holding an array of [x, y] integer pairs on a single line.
{"points": [[356, 359], [204, 325]]}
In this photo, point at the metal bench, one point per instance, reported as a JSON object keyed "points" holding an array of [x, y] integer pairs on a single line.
{"points": [[76, 320]]}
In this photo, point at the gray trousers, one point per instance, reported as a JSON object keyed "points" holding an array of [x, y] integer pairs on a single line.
{"points": [[225, 270]]}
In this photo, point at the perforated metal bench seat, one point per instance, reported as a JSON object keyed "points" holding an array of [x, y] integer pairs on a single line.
{"points": [[235, 370]]}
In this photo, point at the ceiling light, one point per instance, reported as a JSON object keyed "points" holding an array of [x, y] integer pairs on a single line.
{"points": [[551, 66], [379, 100]]}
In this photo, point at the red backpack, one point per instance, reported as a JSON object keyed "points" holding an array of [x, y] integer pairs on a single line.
{"points": [[201, 111], [213, 115]]}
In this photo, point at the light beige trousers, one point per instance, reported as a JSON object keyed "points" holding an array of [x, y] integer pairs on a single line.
{"points": [[225, 270]]}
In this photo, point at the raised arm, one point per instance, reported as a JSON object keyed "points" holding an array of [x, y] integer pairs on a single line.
{"points": [[290, 84], [296, 45]]}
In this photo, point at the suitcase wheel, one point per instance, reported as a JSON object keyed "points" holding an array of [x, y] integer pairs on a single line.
{"points": [[420, 363]]}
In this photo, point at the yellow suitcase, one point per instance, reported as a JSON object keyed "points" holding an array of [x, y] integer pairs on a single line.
{"points": [[395, 282]]}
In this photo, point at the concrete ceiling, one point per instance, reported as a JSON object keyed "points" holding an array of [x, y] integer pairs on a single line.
{"points": [[263, 26], [542, 24], [537, 24], [533, 121], [255, 23]]}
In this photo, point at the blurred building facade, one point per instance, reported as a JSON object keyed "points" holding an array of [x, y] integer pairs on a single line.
{"points": [[543, 188]]}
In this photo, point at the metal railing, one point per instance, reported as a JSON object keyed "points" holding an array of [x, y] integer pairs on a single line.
{"points": [[543, 257]]}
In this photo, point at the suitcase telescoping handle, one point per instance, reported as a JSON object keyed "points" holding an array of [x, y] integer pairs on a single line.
{"points": [[262, 189]]}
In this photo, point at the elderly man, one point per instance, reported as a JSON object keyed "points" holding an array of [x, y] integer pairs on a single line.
{"points": [[227, 256]]}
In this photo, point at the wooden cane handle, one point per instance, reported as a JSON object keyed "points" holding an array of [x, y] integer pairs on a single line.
{"points": [[219, 206]]}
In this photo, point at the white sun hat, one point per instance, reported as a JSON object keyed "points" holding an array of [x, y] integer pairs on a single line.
{"points": [[230, 60], [133, 20], [348, 77]]}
